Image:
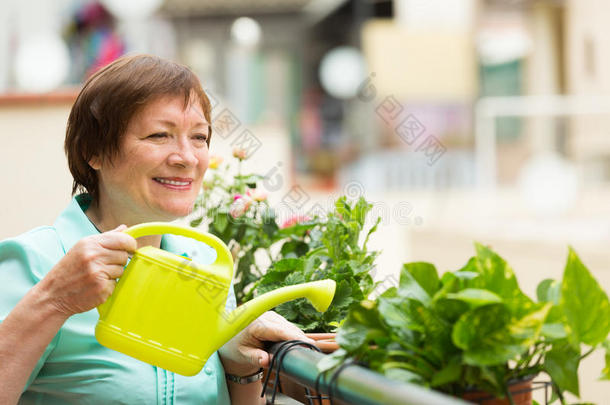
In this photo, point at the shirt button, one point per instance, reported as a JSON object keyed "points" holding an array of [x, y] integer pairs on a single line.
{"points": [[208, 370]]}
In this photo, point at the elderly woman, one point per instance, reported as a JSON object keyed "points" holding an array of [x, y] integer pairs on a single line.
{"points": [[137, 146]]}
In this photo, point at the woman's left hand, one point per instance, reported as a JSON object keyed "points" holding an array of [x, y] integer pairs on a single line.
{"points": [[244, 355]]}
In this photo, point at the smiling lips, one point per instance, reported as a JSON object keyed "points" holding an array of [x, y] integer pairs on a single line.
{"points": [[175, 183]]}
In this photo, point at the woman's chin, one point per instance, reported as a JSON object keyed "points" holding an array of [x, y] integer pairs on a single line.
{"points": [[176, 211]]}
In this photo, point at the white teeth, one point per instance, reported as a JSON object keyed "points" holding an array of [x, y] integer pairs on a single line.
{"points": [[172, 182]]}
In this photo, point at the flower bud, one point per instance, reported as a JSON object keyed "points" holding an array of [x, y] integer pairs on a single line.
{"points": [[257, 194], [240, 153], [295, 219], [240, 206]]}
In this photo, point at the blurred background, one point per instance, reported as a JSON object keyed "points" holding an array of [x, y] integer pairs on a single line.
{"points": [[460, 120]]}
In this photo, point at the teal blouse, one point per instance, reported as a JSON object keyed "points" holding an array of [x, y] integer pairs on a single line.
{"points": [[75, 368]]}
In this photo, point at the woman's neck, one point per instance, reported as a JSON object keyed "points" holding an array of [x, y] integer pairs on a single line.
{"points": [[105, 222]]}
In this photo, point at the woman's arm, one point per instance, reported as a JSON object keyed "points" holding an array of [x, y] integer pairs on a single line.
{"points": [[79, 282], [24, 335], [246, 394]]}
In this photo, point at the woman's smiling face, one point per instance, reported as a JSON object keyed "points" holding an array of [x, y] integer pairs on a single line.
{"points": [[159, 169]]}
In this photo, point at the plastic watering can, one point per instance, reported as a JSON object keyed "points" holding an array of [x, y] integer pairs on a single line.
{"points": [[169, 311]]}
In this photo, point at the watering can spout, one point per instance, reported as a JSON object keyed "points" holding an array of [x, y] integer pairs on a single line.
{"points": [[319, 293]]}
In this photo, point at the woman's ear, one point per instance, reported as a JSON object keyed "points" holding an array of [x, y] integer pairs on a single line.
{"points": [[95, 163]]}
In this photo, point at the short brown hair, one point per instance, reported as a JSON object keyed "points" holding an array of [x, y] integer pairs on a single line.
{"points": [[108, 101]]}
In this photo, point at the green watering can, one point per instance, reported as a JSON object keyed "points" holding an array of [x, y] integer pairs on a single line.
{"points": [[169, 311]]}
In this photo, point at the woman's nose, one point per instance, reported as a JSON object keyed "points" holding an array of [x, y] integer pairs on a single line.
{"points": [[183, 155]]}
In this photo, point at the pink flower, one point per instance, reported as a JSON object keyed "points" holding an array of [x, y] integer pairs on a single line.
{"points": [[215, 161], [239, 206], [295, 219], [240, 153], [257, 194]]}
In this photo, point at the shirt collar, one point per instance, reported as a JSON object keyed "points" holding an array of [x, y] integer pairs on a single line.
{"points": [[72, 224]]}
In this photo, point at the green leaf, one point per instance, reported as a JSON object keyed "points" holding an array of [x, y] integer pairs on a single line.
{"points": [[196, 222], [409, 287], [343, 294], [403, 374], [343, 209], [561, 363], [250, 178], [370, 232], [450, 310], [360, 210], [553, 331], [484, 335], [527, 329], [366, 285], [425, 275], [361, 326], [448, 374], [398, 315], [220, 222], [584, 303], [494, 380], [549, 290], [294, 247], [476, 297], [288, 265], [269, 225], [437, 331], [498, 277], [296, 230]]}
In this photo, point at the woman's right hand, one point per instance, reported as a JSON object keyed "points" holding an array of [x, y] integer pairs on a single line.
{"points": [[85, 277]]}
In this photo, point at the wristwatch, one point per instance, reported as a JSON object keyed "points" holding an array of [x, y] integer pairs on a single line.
{"points": [[247, 379]]}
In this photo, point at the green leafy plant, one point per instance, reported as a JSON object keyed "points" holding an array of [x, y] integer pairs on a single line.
{"points": [[475, 328], [234, 208], [317, 249]]}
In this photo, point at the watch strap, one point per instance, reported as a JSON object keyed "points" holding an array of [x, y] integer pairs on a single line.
{"points": [[246, 379]]}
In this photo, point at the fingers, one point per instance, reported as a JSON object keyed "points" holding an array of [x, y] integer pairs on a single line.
{"points": [[118, 240], [256, 357], [114, 271], [118, 257], [273, 327]]}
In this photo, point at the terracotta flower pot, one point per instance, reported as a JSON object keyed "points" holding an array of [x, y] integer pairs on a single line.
{"points": [[520, 390], [324, 341]]}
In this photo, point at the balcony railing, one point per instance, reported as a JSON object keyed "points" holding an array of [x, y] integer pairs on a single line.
{"points": [[355, 384]]}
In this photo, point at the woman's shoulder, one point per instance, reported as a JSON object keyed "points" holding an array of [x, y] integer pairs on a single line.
{"points": [[35, 249], [42, 238]]}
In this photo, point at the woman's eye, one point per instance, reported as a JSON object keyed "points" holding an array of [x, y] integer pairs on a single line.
{"points": [[158, 135], [201, 137]]}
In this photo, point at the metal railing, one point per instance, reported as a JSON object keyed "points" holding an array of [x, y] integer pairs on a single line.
{"points": [[356, 384]]}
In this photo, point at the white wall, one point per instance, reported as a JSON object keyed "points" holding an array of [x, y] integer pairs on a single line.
{"points": [[35, 182]]}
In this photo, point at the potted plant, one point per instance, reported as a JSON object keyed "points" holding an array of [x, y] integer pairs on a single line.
{"points": [[475, 330], [236, 209]]}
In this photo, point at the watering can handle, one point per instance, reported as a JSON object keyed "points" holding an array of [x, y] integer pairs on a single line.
{"points": [[223, 255]]}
